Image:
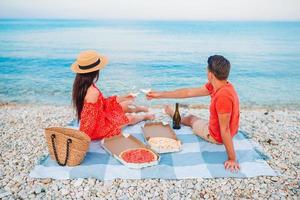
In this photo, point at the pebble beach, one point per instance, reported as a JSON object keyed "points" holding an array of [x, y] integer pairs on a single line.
{"points": [[23, 144]]}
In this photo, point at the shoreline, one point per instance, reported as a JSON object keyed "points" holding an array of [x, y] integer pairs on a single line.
{"points": [[293, 107]]}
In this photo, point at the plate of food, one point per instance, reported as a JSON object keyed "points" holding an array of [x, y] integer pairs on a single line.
{"points": [[161, 137], [131, 152], [138, 155]]}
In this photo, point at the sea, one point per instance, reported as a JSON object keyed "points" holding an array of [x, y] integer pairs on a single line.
{"points": [[36, 55]]}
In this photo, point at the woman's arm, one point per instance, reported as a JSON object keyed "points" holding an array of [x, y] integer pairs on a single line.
{"points": [[128, 97]]}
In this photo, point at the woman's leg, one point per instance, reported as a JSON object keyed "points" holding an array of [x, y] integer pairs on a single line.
{"points": [[141, 109], [130, 107], [134, 118]]}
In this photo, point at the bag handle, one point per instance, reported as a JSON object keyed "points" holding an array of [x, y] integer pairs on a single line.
{"points": [[69, 141]]}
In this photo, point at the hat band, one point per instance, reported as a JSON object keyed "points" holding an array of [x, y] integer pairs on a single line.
{"points": [[91, 65]]}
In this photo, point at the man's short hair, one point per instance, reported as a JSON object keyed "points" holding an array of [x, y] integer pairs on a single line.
{"points": [[219, 66]]}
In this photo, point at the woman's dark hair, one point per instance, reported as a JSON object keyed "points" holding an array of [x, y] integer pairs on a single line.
{"points": [[80, 86], [219, 66]]}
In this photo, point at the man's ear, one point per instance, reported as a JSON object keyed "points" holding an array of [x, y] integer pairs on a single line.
{"points": [[210, 76]]}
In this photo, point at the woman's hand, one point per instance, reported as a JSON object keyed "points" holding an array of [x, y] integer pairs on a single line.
{"points": [[232, 165], [128, 97], [153, 95]]}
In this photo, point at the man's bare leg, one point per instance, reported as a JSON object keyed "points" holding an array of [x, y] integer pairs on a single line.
{"points": [[190, 121], [187, 120]]}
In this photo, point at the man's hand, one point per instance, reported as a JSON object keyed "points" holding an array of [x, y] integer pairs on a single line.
{"points": [[232, 165], [153, 95]]}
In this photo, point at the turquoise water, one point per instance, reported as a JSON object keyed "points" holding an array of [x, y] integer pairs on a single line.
{"points": [[35, 56]]}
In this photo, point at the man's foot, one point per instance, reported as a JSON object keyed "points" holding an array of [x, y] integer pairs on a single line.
{"points": [[169, 110], [149, 116]]}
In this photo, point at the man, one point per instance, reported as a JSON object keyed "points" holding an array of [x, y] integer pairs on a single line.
{"points": [[224, 108]]}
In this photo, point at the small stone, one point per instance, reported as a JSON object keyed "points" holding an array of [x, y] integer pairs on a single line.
{"points": [[198, 186], [31, 196], [55, 187], [38, 189], [78, 182], [23, 194], [64, 192], [124, 184], [46, 180], [108, 183], [4, 193], [91, 182], [79, 195], [274, 178]]}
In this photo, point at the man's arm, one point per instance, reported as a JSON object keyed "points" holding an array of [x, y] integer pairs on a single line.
{"points": [[231, 163], [179, 93]]}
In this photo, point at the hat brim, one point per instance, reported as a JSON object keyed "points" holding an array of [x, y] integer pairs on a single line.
{"points": [[103, 61]]}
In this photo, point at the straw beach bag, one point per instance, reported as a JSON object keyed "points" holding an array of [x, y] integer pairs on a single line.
{"points": [[67, 146]]}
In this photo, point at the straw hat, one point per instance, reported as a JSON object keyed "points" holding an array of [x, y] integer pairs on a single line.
{"points": [[88, 61]]}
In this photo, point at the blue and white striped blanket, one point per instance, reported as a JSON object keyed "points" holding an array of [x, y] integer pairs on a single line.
{"points": [[198, 159]]}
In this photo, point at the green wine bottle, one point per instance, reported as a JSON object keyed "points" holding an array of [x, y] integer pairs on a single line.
{"points": [[176, 118]]}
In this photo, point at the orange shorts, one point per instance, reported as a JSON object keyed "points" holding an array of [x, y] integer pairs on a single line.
{"points": [[200, 128]]}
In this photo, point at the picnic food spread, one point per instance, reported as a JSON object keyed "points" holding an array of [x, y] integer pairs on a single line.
{"points": [[138, 155], [162, 144], [161, 138]]}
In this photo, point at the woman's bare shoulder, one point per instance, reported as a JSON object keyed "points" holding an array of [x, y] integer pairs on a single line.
{"points": [[92, 95]]}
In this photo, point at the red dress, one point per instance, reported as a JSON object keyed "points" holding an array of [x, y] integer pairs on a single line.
{"points": [[103, 118]]}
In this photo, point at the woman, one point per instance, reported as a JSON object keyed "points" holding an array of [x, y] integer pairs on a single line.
{"points": [[100, 117]]}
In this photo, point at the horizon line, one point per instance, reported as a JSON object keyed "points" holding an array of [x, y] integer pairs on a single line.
{"points": [[131, 19]]}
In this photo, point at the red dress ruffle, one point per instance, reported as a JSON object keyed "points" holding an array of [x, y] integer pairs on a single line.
{"points": [[103, 118]]}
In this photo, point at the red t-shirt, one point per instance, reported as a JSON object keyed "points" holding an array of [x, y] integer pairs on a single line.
{"points": [[223, 100]]}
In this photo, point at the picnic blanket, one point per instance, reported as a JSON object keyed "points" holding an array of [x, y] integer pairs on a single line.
{"points": [[198, 159]]}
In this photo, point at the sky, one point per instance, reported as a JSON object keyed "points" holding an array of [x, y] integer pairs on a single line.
{"points": [[282, 10]]}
